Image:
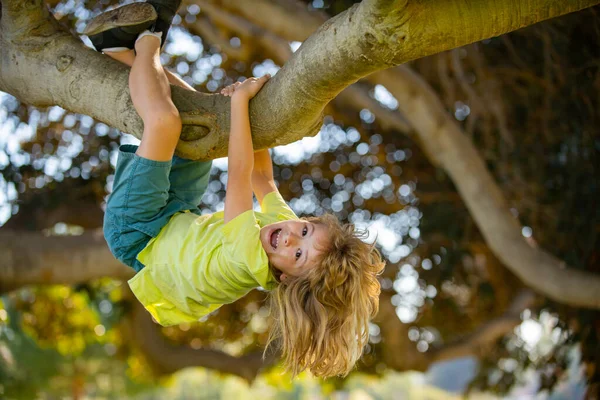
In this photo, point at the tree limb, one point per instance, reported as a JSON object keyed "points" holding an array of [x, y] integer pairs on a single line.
{"points": [[447, 146], [370, 36], [167, 358], [34, 258], [84, 213], [352, 96], [275, 14]]}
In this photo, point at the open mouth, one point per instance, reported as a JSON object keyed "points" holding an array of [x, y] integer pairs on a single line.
{"points": [[274, 240]]}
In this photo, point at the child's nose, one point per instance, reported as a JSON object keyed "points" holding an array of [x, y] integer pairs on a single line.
{"points": [[290, 239]]}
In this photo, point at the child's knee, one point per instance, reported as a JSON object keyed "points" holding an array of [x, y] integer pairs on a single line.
{"points": [[165, 122]]}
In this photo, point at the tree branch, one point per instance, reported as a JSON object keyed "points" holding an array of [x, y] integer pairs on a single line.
{"points": [[34, 258], [447, 146], [370, 36], [33, 217], [167, 358], [262, 37]]}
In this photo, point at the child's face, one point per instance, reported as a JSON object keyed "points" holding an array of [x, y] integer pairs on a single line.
{"points": [[293, 246]]}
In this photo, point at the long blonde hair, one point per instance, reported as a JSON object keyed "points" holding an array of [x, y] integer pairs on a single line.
{"points": [[321, 319]]}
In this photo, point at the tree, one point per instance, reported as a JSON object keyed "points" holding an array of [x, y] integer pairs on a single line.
{"points": [[373, 35]]}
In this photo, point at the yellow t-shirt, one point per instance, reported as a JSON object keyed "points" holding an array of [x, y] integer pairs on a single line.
{"points": [[198, 263]]}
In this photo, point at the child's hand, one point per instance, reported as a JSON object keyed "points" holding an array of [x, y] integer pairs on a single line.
{"points": [[247, 89]]}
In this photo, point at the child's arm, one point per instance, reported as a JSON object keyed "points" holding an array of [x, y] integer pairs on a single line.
{"points": [[238, 196], [263, 182]]}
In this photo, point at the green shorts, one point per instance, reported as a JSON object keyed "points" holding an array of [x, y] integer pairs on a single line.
{"points": [[146, 194]]}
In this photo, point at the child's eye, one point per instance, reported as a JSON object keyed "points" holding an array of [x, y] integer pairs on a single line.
{"points": [[298, 253], [304, 231]]}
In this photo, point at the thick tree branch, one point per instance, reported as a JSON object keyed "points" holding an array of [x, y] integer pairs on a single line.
{"points": [[167, 358], [34, 258], [261, 36], [84, 213], [42, 64], [275, 14], [368, 37]]}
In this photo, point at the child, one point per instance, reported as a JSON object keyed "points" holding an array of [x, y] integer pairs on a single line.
{"points": [[322, 277]]}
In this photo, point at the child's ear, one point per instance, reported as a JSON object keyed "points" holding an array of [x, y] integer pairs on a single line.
{"points": [[283, 277]]}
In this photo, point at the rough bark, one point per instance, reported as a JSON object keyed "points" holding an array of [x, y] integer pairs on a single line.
{"points": [[43, 65]]}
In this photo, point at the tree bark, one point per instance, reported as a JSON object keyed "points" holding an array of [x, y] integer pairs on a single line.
{"points": [[41, 64]]}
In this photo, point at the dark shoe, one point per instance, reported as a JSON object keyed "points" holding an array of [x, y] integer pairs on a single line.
{"points": [[120, 27], [166, 10]]}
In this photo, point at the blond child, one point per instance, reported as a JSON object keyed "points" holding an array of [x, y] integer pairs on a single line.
{"points": [[321, 276]]}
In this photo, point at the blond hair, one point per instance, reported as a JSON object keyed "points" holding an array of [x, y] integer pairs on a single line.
{"points": [[321, 319]]}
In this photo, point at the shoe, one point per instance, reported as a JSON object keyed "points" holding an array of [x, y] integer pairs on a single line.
{"points": [[166, 10], [120, 27]]}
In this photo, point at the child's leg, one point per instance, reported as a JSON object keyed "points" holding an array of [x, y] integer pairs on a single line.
{"points": [[125, 56], [128, 56], [187, 179], [151, 96]]}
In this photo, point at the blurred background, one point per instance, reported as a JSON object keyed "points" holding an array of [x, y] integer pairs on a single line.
{"points": [[453, 319]]}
